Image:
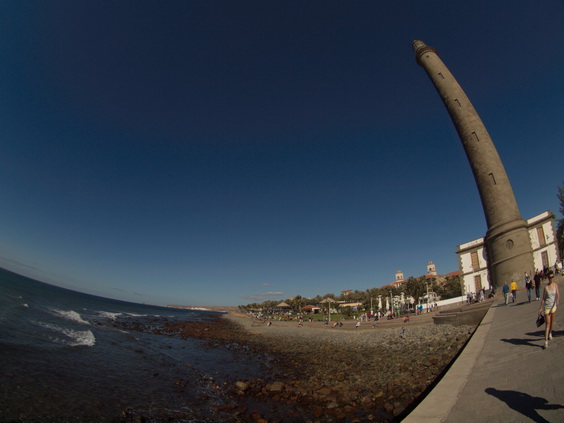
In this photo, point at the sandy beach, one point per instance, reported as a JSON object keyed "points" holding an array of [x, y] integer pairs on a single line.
{"points": [[325, 373]]}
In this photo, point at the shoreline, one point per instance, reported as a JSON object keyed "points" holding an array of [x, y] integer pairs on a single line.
{"points": [[320, 372]]}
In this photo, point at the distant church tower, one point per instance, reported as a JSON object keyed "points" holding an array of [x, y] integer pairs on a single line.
{"points": [[507, 240], [431, 270], [399, 275]]}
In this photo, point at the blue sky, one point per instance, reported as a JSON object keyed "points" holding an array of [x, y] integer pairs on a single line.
{"points": [[221, 153]]}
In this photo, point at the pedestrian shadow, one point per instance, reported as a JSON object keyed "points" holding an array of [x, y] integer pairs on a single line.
{"points": [[521, 303], [502, 304], [540, 332], [527, 342], [525, 404]]}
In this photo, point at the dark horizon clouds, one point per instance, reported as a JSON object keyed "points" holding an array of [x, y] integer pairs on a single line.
{"points": [[192, 152]]}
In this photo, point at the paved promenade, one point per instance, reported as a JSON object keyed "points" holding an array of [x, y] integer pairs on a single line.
{"points": [[503, 374]]}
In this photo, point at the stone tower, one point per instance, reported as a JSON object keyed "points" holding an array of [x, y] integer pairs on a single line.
{"points": [[431, 269], [507, 239]]}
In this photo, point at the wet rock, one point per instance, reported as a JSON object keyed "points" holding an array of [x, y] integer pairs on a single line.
{"points": [[398, 410], [389, 407], [241, 386], [320, 377], [275, 387], [323, 392], [227, 407]]}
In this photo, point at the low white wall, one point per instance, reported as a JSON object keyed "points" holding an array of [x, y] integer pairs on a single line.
{"points": [[450, 301]]}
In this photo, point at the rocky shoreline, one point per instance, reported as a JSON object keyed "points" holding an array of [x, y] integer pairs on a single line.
{"points": [[320, 373]]}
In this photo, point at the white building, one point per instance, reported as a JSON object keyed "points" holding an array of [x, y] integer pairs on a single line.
{"points": [[473, 260], [473, 263], [543, 240]]}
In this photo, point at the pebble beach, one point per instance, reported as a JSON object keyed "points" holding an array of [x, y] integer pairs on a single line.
{"points": [[322, 373]]}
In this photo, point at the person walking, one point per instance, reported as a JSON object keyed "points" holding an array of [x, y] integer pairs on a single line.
{"points": [[529, 286], [506, 292], [550, 300], [513, 287], [537, 279]]}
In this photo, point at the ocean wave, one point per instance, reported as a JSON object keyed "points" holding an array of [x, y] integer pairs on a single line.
{"points": [[78, 338], [140, 315], [109, 315], [70, 315], [113, 316]]}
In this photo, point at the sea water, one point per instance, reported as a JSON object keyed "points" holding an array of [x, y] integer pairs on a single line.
{"points": [[65, 356]]}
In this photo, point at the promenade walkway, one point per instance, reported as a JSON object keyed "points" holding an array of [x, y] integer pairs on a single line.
{"points": [[503, 374]]}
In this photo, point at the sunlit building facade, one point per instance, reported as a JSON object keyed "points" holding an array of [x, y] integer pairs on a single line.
{"points": [[473, 259]]}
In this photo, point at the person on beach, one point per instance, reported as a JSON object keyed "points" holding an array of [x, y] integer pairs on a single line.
{"points": [[529, 286], [537, 279], [506, 292], [513, 287], [550, 300]]}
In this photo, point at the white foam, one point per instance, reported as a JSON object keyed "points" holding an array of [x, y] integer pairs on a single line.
{"points": [[77, 337], [71, 315], [109, 315], [81, 338], [113, 316]]}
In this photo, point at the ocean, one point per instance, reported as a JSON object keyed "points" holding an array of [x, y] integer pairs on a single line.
{"points": [[66, 356]]}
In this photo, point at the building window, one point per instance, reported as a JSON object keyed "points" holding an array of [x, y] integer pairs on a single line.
{"points": [[540, 233], [477, 283], [544, 256], [475, 262]]}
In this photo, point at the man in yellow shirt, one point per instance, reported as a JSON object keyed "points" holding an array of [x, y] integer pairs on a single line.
{"points": [[513, 287]]}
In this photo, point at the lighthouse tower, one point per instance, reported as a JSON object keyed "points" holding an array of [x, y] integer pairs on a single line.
{"points": [[507, 239]]}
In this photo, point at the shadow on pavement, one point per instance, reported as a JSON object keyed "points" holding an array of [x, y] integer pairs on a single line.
{"points": [[527, 342], [502, 304], [523, 403], [540, 332], [521, 303]]}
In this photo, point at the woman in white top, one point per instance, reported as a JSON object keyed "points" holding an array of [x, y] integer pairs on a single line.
{"points": [[550, 299]]}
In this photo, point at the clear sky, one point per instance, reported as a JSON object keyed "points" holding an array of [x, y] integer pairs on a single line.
{"points": [[227, 152]]}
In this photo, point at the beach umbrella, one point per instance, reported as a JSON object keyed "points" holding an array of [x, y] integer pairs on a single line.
{"points": [[387, 304], [380, 302]]}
